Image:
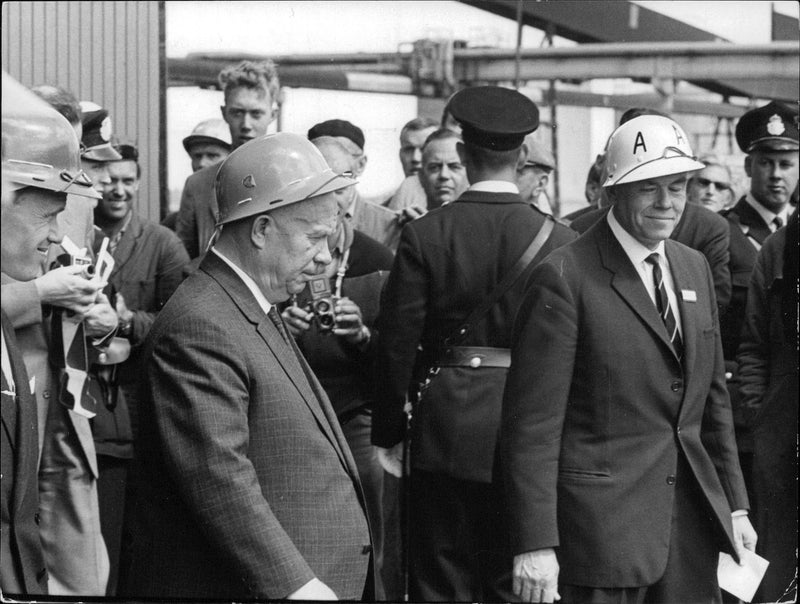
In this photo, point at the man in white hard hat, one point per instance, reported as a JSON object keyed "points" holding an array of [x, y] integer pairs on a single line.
{"points": [[251, 489], [208, 144], [41, 167], [617, 435]]}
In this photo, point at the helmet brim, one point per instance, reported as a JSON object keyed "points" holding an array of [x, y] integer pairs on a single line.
{"points": [[101, 153], [662, 167]]}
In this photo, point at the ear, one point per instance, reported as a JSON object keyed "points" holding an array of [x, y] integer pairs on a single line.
{"points": [[543, 180], [462, 156], [748, 165], [260, 229], [523, 156], [361, 164]]}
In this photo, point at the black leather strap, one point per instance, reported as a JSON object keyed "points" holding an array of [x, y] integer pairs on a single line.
{"points": [[516, 271]]}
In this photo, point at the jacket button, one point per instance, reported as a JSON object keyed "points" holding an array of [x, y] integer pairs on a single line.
{"points": [[37, 518], [676, 385], [671, 479], [46, 394]]}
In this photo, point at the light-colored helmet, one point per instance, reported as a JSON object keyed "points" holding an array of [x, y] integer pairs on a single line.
{"points": [[271, 172], [214, 131], [646, 147], [40, 147]]}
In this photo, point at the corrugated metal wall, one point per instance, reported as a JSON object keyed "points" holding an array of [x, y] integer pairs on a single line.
{"points": [[106, 52]]}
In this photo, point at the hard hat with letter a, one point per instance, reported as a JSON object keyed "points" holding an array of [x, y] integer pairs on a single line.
{"points": [[40, 147], [648, 146], [270, 172]]}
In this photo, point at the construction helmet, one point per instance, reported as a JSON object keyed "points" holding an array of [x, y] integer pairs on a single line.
{"points": [[40, 147], [270, 172], [647, 147]]}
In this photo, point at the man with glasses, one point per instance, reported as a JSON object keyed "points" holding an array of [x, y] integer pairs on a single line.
{"points": [[711, 186]]}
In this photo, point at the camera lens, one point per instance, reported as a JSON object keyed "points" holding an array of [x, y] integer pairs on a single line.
{"points": [[323, 306], [326, 321]]}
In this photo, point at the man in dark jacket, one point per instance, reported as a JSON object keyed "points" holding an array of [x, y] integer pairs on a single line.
{"points": [[148, 266], [447, 263]]}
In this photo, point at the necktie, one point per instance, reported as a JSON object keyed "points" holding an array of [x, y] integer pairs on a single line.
{"points": [[278, 321], [777, 222], [664, 308]]}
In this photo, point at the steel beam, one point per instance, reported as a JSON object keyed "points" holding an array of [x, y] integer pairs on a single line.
{"points": [[664, 60]]}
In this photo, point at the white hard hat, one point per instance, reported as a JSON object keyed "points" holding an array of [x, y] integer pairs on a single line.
{"points": [[647, 147]]}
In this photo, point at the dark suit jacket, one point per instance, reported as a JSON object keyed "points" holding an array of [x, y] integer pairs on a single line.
{"points": [[747, 233], [769, 387], [597, 408], [447, 263], [700, 229], [248, 488], [197, 214], [22, 568]]}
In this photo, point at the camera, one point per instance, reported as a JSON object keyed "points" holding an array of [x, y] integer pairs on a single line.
{"points": [[88, 270], [322, 304]]}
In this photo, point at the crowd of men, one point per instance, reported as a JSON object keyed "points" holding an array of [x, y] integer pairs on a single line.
{"points": [[286, 391]]}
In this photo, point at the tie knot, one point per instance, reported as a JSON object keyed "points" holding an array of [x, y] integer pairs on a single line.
{"points": [[653, 258], [777, 222]]}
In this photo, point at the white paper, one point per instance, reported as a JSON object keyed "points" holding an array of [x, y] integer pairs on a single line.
{"points": [[741, 581]]}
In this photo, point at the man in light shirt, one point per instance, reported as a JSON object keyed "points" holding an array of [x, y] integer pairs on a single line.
{"points": [[617, 440]]}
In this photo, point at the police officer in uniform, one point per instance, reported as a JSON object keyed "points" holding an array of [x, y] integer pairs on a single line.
{"points": [[447, 263], [769, 136]]}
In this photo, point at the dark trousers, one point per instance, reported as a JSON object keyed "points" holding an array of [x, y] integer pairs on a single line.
{"points": [[691, 573], [111, 497], [356, 429], [457, 539]]}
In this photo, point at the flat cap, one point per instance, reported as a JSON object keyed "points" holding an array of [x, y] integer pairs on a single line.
{"points": [[773, 127], [338, 128], [97, 131], [493, 117], [538, 155], [214, 131]]}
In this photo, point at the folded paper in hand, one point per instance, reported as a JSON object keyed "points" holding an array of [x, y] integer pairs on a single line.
{"points": [[741, 581]]}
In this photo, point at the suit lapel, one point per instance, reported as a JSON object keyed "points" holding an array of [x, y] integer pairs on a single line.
{"points": [[627, 282], [290, 360]]}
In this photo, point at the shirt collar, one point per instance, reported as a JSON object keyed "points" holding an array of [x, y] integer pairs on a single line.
{"points": [[248, 281], [633, 248], [765, 214], [494, 186]]}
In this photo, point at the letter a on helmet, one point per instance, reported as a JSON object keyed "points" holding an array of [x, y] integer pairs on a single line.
{"points": [[647, 147]]}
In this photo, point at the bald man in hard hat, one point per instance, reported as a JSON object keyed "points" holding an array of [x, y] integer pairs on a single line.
{"points": [[617, 435], [251, 489]]}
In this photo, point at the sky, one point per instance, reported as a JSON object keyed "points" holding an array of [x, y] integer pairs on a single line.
{"points": [[384, 26]]}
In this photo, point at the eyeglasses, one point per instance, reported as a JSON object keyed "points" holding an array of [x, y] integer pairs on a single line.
{"points": [[720, 186]]}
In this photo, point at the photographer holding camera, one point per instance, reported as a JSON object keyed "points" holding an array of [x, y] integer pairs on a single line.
{"points": [[332, 322]]}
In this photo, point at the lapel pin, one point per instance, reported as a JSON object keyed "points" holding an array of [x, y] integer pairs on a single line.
{"points": [[689, 295]]}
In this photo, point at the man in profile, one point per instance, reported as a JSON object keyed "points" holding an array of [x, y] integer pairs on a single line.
{"points": [[251, 490]]}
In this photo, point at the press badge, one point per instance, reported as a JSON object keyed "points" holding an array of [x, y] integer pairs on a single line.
{"points": [[689, 295]]}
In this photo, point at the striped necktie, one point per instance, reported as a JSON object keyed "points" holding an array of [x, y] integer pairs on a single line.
{"points": [[664, 308], [279, 324]]}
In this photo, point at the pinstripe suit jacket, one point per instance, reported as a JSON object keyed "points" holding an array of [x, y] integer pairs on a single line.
{"points": [[249, 488]]}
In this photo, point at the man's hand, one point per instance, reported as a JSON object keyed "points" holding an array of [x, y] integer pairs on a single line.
{"points": [[536, 576], [313, 590], [67, 288], [349, 324], [297, 320], [391, 460], [101, 318], [744, 536], [409, 213], [125, 315]]}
